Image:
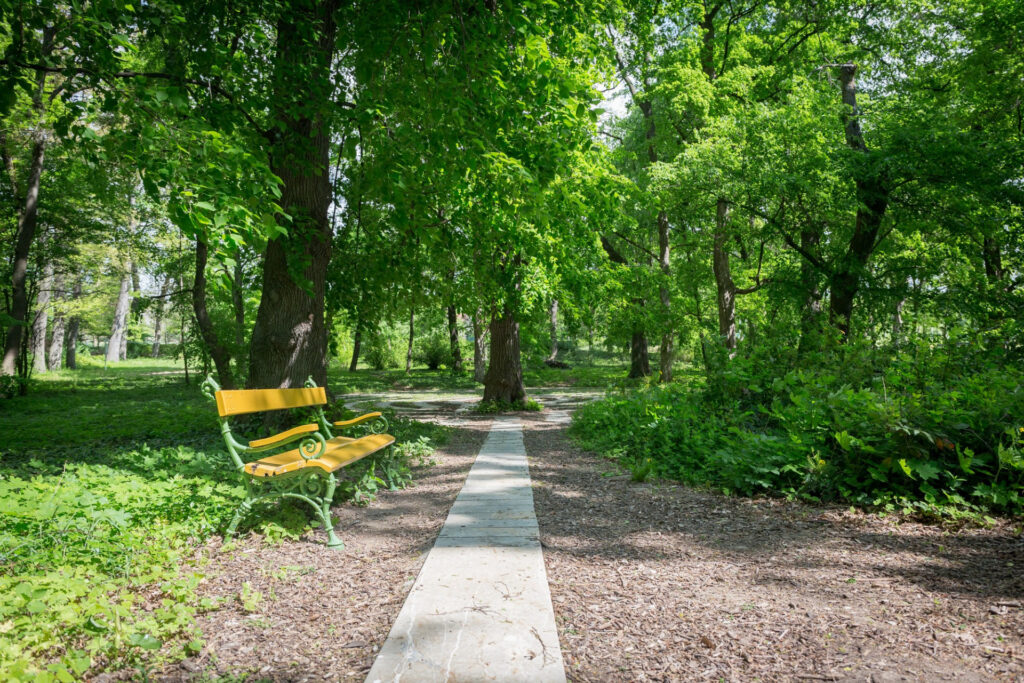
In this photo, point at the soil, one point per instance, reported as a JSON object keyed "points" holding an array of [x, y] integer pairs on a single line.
{"points": [[323, 614], [649, 581], [659, 582]]}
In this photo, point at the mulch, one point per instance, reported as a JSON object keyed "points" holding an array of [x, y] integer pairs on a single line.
{"points": [[659, 582], [650, 582], [323, 614]]}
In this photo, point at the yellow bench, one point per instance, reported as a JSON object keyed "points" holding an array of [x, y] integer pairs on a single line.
{"points": [[305, 473]]}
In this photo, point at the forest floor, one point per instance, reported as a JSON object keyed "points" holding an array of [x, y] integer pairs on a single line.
{"points": [[649, 581], [663, 582]]}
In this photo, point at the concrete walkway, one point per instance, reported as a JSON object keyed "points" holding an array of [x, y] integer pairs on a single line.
{"points": [[480, 609]]}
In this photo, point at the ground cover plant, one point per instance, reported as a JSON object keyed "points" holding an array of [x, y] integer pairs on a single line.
{"points": [[110, 479], [864, 428]]}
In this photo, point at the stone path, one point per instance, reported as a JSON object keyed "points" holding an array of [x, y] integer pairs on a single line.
{"points": [[480, 609]]}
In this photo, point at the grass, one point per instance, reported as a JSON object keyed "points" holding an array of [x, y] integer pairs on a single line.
{"points": [[590, 369], [109, 478]]}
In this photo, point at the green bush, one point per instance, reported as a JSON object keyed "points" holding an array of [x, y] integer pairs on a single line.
{"points": [[434, 350], [897, 435], [380, 352]]}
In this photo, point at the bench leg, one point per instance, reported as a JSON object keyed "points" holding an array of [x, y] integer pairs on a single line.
{"points": [[325, 514]]}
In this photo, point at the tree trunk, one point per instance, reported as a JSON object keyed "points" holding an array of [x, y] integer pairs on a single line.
{"points": [[38, 338], [479, 348], [25, 232], [810, 317], [357, 341], [553, 312], [71, 345], [993, 258], [158, 316], [412, 330], [723, 280], [453, 336], [238, 304], [897, 322], [639, 362], [289, 339], [55, 352], [220, 355], [133, 308], [504, 380], [118, 329], [872, 202]]}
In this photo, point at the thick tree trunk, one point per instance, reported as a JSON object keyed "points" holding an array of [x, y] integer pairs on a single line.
{"points": [[639, 361], [357, 342], [120, 324], [219, 354], [42, 318], [897, 322], [504, 380], [55, 351], [553, 313], [71, 345], [723, 279], [453, 337], [27, 220], [872, 202], [412, 336], [158, 316], [25, 233], [289, 339], [479, 348]]}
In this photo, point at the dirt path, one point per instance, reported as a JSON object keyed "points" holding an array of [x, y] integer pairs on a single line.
{"points": [[324, 614], [660, 582]]}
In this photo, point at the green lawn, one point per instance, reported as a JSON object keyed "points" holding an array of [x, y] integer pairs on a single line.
{"points": [[108, 479]]}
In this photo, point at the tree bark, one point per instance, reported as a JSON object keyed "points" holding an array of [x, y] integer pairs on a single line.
{"points": [[26, 228], [723, 279], [158, 316], [872, 202], [357, 341], [219, 354], [289, 338], [639, 360], [412, 332], [453, 336], [238, 304], [504, 379], [553, 313], [132, 309], [39, 324], [479, 348], [120, 324], [55, 352], [71, 344]]}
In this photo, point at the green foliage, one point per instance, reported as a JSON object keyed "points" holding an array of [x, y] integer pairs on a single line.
{"points": [[904, 435], [434, 351], [108, 482]]}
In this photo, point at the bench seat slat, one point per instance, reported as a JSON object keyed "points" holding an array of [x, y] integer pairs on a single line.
{"points": [[341, 451]]}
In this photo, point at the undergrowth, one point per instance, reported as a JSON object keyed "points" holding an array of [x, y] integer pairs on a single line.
{"points": [[915, 435], [102, 502]]}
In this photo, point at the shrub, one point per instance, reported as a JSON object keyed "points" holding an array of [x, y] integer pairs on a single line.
{"points": [[434, 350], [893, 436]]}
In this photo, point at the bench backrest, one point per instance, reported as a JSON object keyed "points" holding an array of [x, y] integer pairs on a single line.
{"points": [[242, 401]]}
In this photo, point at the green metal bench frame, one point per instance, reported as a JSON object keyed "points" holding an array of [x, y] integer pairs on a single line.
{"points": [[311, 484]]}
